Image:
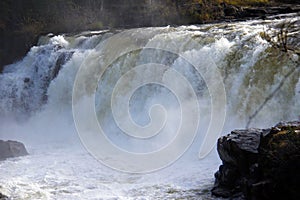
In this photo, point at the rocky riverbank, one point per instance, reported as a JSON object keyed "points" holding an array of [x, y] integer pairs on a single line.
{"points": [[260, 163], [238, 13]]}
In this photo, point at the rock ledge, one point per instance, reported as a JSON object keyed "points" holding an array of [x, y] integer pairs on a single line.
{"points": [[260, 163]]}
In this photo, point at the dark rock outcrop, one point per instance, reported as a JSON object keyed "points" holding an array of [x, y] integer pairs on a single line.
{"points": [[14, 45], [237, 13], [260, 163], [11, 148], [3, 197]]}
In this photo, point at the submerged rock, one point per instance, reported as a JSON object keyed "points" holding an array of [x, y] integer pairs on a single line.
{"points": [[260, 163], [11, 148]]}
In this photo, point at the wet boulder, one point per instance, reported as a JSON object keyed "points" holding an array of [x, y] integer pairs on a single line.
{"points": [[260, 163], [11, 148]]}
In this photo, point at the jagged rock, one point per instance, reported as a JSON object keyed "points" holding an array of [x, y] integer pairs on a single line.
{"points": [[260, 163], [242, 13], [11, 148], [3, 197], [230, 10], [61, 60]]}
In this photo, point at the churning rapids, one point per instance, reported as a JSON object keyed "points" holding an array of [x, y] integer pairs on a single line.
{"points": [[36, 105]]}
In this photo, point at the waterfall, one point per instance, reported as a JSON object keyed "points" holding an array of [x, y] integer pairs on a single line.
{"points": [[188, 82], [250, 68]]}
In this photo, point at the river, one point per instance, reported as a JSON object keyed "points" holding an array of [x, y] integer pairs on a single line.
{"points": [[161, 96]]}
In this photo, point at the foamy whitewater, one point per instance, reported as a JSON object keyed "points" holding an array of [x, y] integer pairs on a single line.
{"points": [[36, 106]]}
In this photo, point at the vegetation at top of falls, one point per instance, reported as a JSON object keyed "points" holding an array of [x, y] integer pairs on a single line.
{"points": [[38, 16], [74, 15], [284, 37], [22, 21], [246, 2]]}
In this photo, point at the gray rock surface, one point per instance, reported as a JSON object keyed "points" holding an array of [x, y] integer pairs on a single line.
{"points": [[11, 148], [260, 164]]}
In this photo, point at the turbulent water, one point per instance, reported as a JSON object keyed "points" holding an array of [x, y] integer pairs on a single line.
{"points": [[237, 78]]}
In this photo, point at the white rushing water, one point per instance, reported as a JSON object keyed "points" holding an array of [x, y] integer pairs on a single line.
{"points": [[36, 105]]}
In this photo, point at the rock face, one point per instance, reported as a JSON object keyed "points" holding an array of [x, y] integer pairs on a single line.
{"points": [[10, 149], [259, 12], [3, 197], [260, 164]]}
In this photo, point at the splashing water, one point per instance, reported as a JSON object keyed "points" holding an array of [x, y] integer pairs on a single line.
{"points": [[36, 106]]}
